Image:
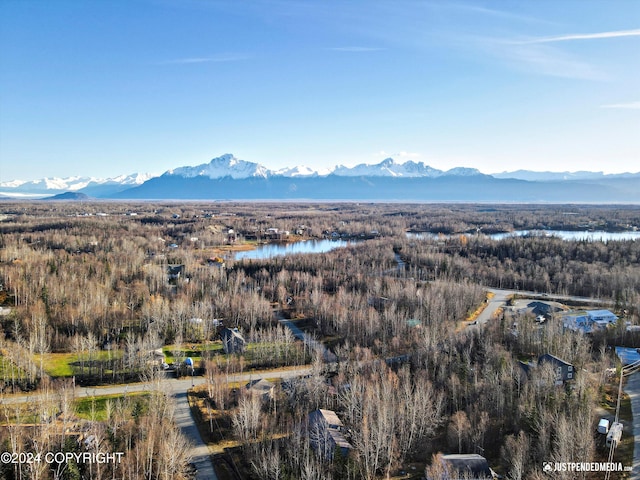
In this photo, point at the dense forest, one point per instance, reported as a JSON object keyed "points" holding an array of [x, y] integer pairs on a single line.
{"points": [[108, 285]]}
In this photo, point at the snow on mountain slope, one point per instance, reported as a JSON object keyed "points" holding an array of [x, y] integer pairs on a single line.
{"points": [[299, 171], [463, 171], [388, 168], [133, 179], [70, 184], [228, 166], [225, 166]]}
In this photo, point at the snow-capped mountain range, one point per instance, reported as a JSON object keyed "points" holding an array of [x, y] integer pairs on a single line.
{"points": [[227, 168], [70, 184]]}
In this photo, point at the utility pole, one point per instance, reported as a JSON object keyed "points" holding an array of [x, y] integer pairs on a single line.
{"points": [[625, 371]]}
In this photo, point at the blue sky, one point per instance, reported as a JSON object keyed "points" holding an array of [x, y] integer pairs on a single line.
{"points": [[103, 88]]}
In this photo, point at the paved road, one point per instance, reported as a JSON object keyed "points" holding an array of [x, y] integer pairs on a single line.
{"points": [[175, 385], [183, 415], [633, 390], [184, 418], [500, 297], [551, 297], [201, 455], [497, 301], [628, 357]]}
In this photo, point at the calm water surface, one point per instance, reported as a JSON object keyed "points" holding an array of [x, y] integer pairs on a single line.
{"points": [[321, 246], [275, 250]]}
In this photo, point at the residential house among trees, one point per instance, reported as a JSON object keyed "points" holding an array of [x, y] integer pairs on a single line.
{"points": [[588, 321], [564, 371], [577, 323], [175, 271], [232, 340], [262, 388], [601, 318], [326, 434], [466, 465]]}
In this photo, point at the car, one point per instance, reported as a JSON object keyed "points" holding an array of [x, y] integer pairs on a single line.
{"points": [[603, 426]]}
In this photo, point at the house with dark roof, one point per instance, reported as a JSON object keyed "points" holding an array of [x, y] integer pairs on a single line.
{"points": [[470, 466], [175, 271], [564, 371], [541, 308]]}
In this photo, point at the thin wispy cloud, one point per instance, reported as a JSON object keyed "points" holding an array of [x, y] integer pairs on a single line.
{"points": [[492, 12], [583, 36], [555, 63], [542, 56], [624, 106], [220, 58], [540, 59], [356, 49]]}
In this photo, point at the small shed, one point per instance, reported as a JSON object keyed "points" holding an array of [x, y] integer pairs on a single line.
{"points": [[467, 465]]}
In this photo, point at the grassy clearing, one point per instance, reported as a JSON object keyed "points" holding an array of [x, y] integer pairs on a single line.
{"points": [[195, 351], [262, 355], [17, 413], [87, 408], [9, 370], [58, 365], [95, 408]]}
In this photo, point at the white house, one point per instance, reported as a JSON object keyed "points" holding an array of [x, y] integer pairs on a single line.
{"points": [[589, 320], [602, 318], [577, 323]]}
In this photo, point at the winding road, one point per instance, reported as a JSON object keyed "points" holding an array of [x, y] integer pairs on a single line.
{"points": [[201, 455]]}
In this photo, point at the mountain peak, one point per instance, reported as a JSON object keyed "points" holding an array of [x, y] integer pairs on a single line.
{"points": [[226, 165], [229, 167], [298, 171]]}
